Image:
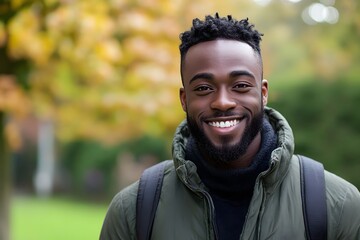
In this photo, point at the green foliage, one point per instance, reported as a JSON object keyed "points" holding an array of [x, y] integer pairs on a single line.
{"points": [[325, 119], [81, 156]]}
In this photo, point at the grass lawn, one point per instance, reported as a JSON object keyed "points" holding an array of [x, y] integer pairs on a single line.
{"points": [[55, 219]]}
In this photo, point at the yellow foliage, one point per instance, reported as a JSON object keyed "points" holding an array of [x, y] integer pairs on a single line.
{"points": [[61, 21], [51, 2], [17, 3], [101, 66], [26, 40], [2, 34], [26, 22], [110, 69], [117, 5], [13, 136], [12, 98], [109, 51], [136, 21]]}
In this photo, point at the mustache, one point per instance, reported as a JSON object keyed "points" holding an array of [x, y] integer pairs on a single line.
{"points": [[218, 113]]}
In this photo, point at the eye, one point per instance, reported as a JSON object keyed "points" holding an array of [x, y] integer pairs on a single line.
{"points": [[203, 89], [241, 86]]}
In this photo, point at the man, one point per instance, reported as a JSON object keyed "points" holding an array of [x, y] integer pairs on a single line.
{"points": [[234, 173]]}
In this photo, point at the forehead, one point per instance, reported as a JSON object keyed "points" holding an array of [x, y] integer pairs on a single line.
{"points": [[221, 56]]}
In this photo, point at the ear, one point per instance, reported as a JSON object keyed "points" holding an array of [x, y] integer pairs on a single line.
{"points": [[264, 91], [182, 95]]}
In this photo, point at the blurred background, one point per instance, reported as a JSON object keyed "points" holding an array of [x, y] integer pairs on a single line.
{"points": [[89, 97]]}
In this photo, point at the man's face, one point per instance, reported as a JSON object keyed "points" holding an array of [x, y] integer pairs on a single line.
{"points": [[223, 97]]}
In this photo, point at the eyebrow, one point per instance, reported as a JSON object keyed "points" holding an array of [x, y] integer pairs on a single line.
{"points": [[210, 76], [241, 73], [207, 76]]}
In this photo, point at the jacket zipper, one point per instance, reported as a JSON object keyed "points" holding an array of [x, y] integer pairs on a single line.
{"points": [[262, 208], [211, 205], [212, 211]]}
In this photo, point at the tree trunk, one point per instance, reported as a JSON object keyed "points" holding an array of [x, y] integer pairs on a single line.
{"points": [[4, 182], [7, 67]]}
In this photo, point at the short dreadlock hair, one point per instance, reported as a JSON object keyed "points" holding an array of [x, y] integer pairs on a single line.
{"points": [[216, 27]]}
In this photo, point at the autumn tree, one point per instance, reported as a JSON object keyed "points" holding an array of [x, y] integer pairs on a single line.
{"points": [[13, 103]]}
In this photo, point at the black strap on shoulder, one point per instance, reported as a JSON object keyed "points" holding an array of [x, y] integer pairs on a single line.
{"points": [[147, 199], [313, 198]]}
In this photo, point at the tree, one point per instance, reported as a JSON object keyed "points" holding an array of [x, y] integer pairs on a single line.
{"points": [[11, 103]]}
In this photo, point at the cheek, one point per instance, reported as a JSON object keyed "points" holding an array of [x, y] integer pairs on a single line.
{"points": [[253, 103], [196, 107]]}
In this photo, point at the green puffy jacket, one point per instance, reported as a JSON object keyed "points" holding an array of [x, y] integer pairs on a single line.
{"points": [[186, 211]]}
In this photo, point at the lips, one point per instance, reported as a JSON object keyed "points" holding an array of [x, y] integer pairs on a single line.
{"points": [[225, 121], [224, 130]]}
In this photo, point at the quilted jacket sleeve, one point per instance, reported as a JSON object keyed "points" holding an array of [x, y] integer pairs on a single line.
{"points": [[343, 205], [119, 223], [349, 222]]}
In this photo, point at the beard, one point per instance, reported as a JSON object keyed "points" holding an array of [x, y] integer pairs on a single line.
{"points": [[226, 152]]}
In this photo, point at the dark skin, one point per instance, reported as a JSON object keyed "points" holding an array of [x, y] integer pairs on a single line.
{"points": [[224, 76]]}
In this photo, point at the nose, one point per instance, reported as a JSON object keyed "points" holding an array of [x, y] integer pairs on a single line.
{"points": [[223, 101]]}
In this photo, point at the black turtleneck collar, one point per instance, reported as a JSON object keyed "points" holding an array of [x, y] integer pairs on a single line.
{"points": [[234, 184]]}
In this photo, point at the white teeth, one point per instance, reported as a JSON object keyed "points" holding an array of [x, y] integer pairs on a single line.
{"points": [[225, 124]]}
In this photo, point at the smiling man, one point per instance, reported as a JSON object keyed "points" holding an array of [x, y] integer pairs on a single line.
{"points": [[234, 174], [224, 97]]}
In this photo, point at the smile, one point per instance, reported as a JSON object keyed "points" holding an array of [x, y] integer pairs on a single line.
{"points": [[224, 124]]}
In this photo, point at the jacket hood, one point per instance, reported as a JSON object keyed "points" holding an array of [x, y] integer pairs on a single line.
{"points": [[280, 157]]}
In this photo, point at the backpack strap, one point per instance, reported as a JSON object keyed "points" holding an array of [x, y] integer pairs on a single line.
{"points": [[147, 200], [313, 198]]}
